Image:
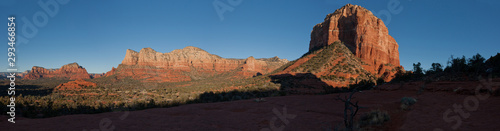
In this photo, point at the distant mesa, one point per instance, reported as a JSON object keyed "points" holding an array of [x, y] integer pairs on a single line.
{"points": [[189, 63], [70, 71], [96, 75], [351, 45]]}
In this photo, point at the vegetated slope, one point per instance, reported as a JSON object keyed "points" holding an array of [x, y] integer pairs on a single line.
{"points": [[333, 65]]}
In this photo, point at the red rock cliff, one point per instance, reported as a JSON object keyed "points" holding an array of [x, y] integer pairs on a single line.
{"points": [[363, 33], [186, 64], [72, 71]]}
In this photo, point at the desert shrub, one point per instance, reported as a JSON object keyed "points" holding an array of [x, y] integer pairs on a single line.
{"points": [[406, 102], [493, 65], [460, 67], [350, 110], [476, 65], [363, 85], [333, 77], [456, 65], [435, 68], [375, 117], [380, 81], [417, 70], [402, 75]]}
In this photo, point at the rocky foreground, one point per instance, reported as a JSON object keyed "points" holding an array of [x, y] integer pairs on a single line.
{"points": [[300, 112]]}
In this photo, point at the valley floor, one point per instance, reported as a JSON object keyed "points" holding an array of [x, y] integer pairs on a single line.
{"points": [[298, 112]]}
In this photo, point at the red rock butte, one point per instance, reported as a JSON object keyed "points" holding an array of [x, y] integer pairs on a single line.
{"points": [[350, 46], [72, 71], [187, 64], [364, 34]]}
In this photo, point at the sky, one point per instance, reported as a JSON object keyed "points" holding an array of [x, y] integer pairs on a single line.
{"points": [[96, 33]]}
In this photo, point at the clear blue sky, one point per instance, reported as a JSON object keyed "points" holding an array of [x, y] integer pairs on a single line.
{"points": [[96, 33]]}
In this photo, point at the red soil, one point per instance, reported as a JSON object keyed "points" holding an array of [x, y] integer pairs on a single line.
{"points": [[312, 112]]}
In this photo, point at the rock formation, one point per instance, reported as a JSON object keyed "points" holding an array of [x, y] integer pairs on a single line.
{"points": [[78, 84], [364, 34], [350, 46], [96, 75], [187, 64], [70, 71]]}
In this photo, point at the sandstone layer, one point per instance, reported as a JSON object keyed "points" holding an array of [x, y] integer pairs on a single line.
{"points": [[187, 64], [364, 34], [70, 71]]}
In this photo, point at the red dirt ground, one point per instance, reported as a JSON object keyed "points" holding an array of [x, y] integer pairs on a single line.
{"points": [[312, 112]]}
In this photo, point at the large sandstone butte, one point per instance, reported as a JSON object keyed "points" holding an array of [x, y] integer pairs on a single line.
{"points": [[70, 71], [364, 34], [190, 63], [350, 46]]}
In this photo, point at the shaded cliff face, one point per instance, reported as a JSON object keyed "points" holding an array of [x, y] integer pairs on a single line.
{"points": [[187, 64], [364, 34], [70, 71]]}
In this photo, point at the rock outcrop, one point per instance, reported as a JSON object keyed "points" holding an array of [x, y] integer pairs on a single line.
{"points": [[187, 64], [364, 34], [350, 46], [78, 84], [70, 71]]}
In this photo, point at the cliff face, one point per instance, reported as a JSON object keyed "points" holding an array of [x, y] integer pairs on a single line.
{"points": [[363, 33], [187, 64], [72, 71], [186, 59], [350, 46]]}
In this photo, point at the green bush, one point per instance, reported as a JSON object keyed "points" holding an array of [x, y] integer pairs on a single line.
{"points": [[375, 117], [406, 102], [435, 68], [402, 75], [417, 70]]}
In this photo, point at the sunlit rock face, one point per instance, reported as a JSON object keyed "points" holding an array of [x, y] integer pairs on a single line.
{"points": [[187, 63], [364, 34]]}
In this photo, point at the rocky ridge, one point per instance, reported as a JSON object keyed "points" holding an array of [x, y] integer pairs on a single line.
{"points": [[70, 71], [189, 63]]}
